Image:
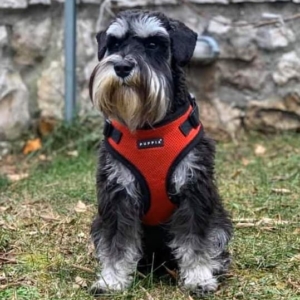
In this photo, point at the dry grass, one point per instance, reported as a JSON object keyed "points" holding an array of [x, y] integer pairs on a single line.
{"points": [[44, 225]]}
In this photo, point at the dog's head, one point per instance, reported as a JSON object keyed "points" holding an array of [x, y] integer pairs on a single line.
{"points": [[138, 54]]}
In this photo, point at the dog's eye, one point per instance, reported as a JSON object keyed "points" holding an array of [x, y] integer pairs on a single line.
{"points": [[151, 45], [113, 44]]}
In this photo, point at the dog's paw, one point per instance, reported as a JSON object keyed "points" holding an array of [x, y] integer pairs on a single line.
{"points": [[97, 289], [199, 280], [202, 287], [109, 284]]}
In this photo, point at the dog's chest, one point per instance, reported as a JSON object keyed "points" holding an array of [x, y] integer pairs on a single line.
{"points": [[158, 159], [156, 186]]}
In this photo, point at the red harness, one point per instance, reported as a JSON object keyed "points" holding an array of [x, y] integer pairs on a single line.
{"points": [[152, 155]]}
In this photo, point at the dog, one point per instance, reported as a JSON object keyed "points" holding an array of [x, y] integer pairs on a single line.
{"points": [[157, 195]]}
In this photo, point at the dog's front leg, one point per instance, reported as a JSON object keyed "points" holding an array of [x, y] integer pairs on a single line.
{"points": [[200, 236], [116, 233], [188, 245]]}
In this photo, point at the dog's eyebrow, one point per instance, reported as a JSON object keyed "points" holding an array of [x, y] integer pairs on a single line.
{"points": [[148, 26], [118, 28]]}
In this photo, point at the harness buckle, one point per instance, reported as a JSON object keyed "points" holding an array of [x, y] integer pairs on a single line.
{"points": [[107, 130], [194, 117]]}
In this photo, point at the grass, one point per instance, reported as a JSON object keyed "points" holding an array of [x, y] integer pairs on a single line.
{"points": [[45, 251]]}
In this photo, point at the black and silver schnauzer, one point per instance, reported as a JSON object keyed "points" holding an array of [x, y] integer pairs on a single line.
{"points": [[155, 179]]}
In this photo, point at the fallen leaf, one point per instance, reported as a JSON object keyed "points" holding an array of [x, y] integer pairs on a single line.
{"points": [[7, 260], [236, 174], [268, 221], [68, 220], [141, 274], [32, 145], [9, 285], [43, 157], [81, 268], [259, 150], [294, 284], [49, 217], [296, 257], [46, 126], [149, 297], [280, 285], [245, 162], [281, 191], [81, 282], [4, 208], [80, 207], [280, 178], [171, 272], [267, 228], [17, 177], [32, 233], [244, 225], [296, 231], [81, 235], [73, 153]]}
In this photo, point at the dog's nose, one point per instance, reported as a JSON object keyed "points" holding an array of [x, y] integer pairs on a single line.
{"points": [[123, 68]]}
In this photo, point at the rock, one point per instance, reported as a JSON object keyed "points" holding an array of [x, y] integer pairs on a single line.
{"points": [[274, 38], [84, 101], [288, 68], [241, 40], [3, 41], [219, 25], [3, 37], [229, 116], [63, 1], [236, 42], [13, 105], [251, 78], [186, 14], [234, 96], [256, 1], [220, 120], [13, 4], [45, 2], [210, 1], [91, 1], [272, 115], [86, 45], [5, 148], [138, 3], [30, 39], [51, 91], [86, 41]]}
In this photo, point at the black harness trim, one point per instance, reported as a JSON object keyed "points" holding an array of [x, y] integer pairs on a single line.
{"points": [[146, 196], [178, 159]]}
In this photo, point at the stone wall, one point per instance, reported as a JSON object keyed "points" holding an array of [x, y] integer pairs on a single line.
{"points": [[253, 85]]}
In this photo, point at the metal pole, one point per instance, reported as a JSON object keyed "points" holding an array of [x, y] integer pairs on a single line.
{"points": [[70, 59]]}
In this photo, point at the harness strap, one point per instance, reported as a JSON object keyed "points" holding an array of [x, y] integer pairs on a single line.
{"points": [[191, 122], [110, 131]]}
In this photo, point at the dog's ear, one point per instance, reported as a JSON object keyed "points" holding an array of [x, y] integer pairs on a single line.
{"points": [[183, 42], [101, 40]]}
